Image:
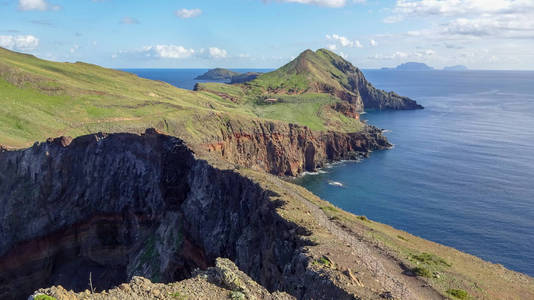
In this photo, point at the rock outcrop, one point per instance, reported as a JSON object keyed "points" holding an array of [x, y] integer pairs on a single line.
{"points": [[288, 149], [245, 77], [223, 281], [217, 74], [323, 71], [105, 208]]}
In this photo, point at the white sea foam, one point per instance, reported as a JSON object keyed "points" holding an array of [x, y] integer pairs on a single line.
{"points": [[319, 171], [335, 183]]}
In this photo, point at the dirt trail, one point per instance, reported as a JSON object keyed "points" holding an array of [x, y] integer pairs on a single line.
{"points": [[383, 267]]}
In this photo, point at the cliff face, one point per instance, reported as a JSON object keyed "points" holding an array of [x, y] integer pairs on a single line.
{"points": [[288, 149], [116, 206], [323, 71]]}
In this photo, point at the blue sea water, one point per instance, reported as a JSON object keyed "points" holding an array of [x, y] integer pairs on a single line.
{"points": [[182, 78], [462, 170]]}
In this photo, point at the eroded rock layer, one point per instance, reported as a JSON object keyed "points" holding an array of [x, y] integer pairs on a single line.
{"points": [[288, 149]]}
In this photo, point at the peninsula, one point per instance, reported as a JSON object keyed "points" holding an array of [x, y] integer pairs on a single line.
{"points": [[117, 187]]}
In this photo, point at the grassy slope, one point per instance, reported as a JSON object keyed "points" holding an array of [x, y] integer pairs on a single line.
{"points": [[448, 268], [41, 99], [309, 68], [295, 85]]}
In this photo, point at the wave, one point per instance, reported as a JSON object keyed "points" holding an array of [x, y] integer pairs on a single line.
{"points": [[335, 183]]}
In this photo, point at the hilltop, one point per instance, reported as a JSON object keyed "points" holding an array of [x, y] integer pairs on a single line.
{"points": [[321, 72], [91, 190]]}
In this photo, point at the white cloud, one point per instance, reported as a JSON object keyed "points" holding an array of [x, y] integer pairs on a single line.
{"points": [[500, 26], [185, 13], [19, 42], [176, 52], [373, 43], [474, 18], [332, 47], [36, 5], [462, 7], [327, 3], [168, 51], [215, 52], [343, 41]]}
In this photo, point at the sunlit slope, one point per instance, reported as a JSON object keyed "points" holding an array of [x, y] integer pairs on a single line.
{"points": [[321, 72], [40, 99]]}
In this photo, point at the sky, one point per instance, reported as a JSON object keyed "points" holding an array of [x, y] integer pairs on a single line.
{"points": [[481, 34]]}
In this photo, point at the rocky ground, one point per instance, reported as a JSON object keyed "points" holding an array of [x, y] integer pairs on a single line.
{"points": [[223, 281]]}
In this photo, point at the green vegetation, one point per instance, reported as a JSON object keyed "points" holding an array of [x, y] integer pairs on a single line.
{"points": [[402, 238], [460, 294], [429, 259], [236, 295], [305, 73], [323, 260], [43, 297], [329, 208], [179, 296], [422, 271], [41, 99]]}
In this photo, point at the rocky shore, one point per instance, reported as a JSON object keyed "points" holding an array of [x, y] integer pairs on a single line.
{"points": [[289, 149]]}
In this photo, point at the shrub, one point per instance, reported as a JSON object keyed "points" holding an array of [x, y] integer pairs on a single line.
{"points": [[43, 297], [237, 295], [421, 271], [402, 238], [430, 259], [179, 296], [460, 294], [324, 261]]}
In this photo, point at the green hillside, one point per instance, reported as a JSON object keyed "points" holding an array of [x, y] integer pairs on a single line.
{"points": [[40, 99], [321, 72]]}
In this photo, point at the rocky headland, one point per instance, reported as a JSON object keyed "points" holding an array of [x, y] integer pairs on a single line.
{"points": [[200, 207]]}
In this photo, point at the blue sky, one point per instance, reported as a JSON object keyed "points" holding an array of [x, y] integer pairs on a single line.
{"points": [[482, 34]]}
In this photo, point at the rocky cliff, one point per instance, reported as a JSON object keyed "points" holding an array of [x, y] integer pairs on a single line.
{"points": [[323, 71], [105, 208], [289, 149]]}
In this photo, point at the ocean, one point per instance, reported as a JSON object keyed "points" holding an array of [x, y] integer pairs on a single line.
{"points": [[461, 172], [182, 78]]}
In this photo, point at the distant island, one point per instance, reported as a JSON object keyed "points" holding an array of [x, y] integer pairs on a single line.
{"points": [[417, 66], [221, 74], [217, 74], [411, 66], [456, 68]]}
